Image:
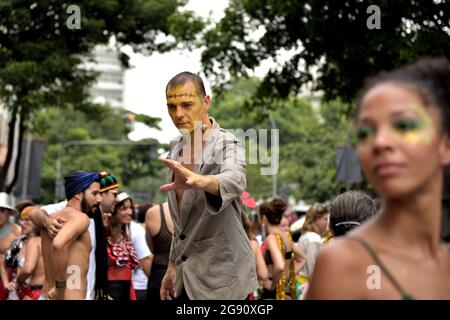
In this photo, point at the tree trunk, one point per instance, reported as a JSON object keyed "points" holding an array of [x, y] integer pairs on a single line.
{"points": [[4, 171], [19, 155]]}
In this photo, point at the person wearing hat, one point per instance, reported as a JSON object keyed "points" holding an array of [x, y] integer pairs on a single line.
{"points": [[121, 253], [8, 232], [109, 188], [72, 245]]}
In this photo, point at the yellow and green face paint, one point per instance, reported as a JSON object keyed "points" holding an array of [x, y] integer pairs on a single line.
{"points": [[413, 130]]}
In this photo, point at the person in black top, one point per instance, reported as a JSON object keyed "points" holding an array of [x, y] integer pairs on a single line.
{"points": [[158, 231]]}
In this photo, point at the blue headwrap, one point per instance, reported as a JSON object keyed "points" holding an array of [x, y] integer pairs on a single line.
{"points": [[78, 182]]}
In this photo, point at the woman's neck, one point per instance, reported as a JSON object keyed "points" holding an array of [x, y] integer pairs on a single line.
{"points": [[272, 229], [414, 221]]}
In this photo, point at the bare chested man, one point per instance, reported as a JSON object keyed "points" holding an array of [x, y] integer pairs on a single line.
{"points": [[66, 257]]}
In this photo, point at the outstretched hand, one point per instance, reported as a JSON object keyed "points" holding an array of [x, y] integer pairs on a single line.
{"points": [[184, 178]]}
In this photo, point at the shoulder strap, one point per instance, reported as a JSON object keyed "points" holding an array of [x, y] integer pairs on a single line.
{"points": [[161, 212], [383, 268]]}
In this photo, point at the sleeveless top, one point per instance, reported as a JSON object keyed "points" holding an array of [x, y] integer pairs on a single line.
{"points": [[11, 255], [384, 269], [162, 242], [281, 286]]}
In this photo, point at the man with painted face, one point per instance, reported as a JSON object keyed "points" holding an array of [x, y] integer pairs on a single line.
{"points": [[66, 256], [210, 256]]}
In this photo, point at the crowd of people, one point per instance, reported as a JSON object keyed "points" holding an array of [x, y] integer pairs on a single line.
{"points": [[205, 243]]}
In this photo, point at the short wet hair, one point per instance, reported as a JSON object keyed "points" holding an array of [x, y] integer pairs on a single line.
{"points": [[185, 77]]}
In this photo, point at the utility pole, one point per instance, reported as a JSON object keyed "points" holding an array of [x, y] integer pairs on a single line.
{"points": [[27, 159]]}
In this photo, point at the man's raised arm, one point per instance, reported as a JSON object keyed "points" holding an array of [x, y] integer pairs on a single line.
{"points": [[39, 217], [71, 230]]}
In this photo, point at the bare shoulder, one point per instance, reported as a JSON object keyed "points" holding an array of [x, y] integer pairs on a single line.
{"points": [[16, 229], [152, 214], [152, 211], [76, 216], [35, 241], [152, 220], [340, 272], [271, 238]]}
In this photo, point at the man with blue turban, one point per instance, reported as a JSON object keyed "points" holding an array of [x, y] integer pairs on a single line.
{"points": [[98, 263], [71, 247]]}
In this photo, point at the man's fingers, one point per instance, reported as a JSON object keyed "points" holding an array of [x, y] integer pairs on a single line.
{"points": [[61, 220], [52, 233], [167, 295], [167, 187], [175, 166], [57, 225], [164, 292], [170, 163]]}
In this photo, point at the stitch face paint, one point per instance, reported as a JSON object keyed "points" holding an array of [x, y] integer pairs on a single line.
{"points": [[185, 106]]}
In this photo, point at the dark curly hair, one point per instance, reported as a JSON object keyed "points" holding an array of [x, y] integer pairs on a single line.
{"points": [[273, 210], [350, 209], [428, 77]]}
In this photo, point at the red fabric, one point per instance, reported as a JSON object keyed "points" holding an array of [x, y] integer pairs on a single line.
{"points": [[132, 292], [263, 247], [119, 273], [122, 254], [3, 292], [26, 291]]}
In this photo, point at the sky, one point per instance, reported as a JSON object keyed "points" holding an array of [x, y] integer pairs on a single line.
{"points": [[145, 83]]}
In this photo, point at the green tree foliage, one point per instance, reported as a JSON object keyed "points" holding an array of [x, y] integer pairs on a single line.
{"points": [[42, 44], [329, 36], [128, 163], [308, 140]]}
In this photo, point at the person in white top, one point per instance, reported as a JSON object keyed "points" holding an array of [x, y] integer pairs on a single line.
{"points": [[140, 274], [315, 226]]}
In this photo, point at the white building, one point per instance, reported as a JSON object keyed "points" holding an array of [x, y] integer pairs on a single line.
{"points": [[109, 87]]}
